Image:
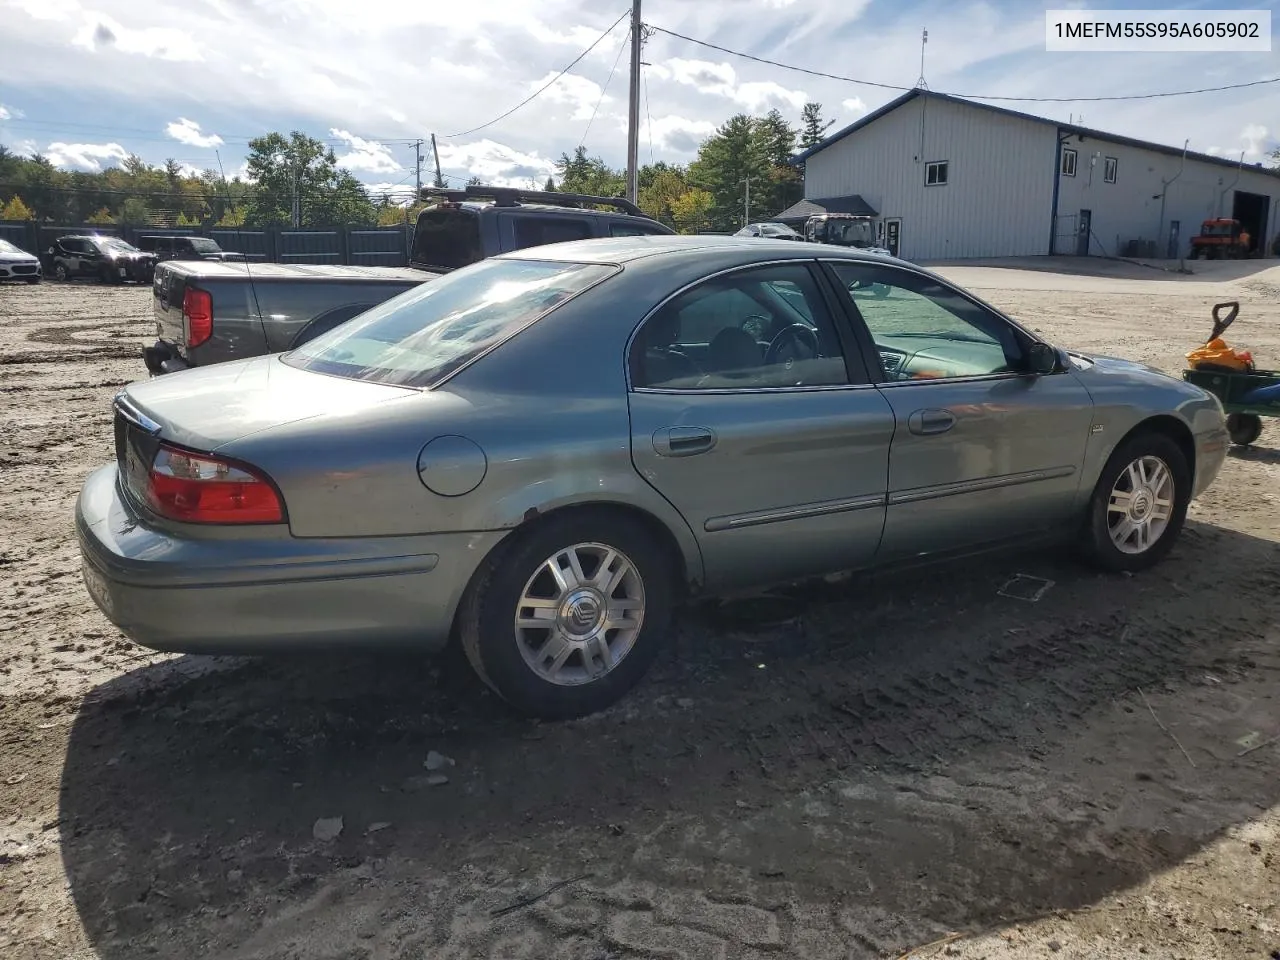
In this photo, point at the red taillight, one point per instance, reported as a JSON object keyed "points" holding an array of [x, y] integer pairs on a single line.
{"points": [[197, 308], [198, 488]]}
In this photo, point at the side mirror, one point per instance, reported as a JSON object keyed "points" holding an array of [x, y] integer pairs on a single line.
{"points": [[1042, 359]]}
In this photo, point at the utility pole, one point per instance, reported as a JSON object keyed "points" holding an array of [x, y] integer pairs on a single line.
{"points": [[633, 114], [746, 203], [417, 169], [439, 181]]}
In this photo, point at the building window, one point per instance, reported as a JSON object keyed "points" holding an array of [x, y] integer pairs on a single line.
{"points": [[1109, 165], [1068, 163], [935, 173]]}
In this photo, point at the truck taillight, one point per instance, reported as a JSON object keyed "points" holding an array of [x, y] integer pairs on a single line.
{"points": [[199, 488], [197, 309]]}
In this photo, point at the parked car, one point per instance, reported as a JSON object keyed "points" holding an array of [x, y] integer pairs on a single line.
{"points": [[104, 258], [774, 231], [543, 453], [213, 312], [170, 247], [305, 300], [17, 264]]}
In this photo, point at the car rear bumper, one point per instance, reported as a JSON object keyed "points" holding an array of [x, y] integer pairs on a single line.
{"points": [[160, 358], [236, 592]]}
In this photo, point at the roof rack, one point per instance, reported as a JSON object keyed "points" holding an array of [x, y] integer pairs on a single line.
{"points": [[512, 196]]}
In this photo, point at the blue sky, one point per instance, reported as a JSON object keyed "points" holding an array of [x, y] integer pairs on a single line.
{"points": [[88, 81]]}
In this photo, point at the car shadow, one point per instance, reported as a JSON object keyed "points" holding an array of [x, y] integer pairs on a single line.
{"points": [[1256, 454], [924, 748]]}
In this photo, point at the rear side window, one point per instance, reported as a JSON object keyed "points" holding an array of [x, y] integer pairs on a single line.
{"points": [[418, 338], [536, 231], [447, 238]]}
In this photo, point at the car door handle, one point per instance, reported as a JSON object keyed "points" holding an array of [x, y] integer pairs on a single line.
{"points": [[683, 441], [928, 422]]}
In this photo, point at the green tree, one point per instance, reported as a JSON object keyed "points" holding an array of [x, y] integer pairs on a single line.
{"points": [[134, 210], [291, 176], [812, 127], [590, 175], [691, 211], [102, 216], [474, 181], [725, 161], [550, 186], [660, 186], [15, 209], [343, 203]]}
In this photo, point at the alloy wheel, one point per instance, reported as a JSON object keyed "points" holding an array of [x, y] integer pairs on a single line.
{"points": [[580, 613], [1141, 505]]}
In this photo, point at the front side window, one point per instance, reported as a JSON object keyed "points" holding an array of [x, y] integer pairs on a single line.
{"points": [[761, 328], [926, 331], [418, 338]]}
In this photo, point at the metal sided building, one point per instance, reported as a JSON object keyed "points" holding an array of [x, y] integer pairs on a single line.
{"points": [[948, 178]]}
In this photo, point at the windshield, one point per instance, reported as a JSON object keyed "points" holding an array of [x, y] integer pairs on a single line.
{"points": [[203, 245], [421, 336], [853, 233], [8, 248], [116, 245], [447, 237], [1217, 229]]}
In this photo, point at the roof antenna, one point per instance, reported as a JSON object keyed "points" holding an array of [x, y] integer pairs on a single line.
{"points": [[920, 82]]}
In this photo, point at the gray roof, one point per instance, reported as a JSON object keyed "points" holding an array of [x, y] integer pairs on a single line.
{"points": [[1064, 127], [805, 209]]}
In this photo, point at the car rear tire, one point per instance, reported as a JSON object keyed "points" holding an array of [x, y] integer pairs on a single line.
{"points": [[602, 585], [1244, 428], [1139, 504]]}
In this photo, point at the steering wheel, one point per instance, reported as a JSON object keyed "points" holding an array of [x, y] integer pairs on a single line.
{"points": [[755, 329], [794, 334]]}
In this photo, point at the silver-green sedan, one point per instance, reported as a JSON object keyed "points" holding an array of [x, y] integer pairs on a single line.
{"points": [[542, 454]]}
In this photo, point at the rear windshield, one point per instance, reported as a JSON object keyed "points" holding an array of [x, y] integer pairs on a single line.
{"points": [[418, 338], [201, 245], [448, 237]]}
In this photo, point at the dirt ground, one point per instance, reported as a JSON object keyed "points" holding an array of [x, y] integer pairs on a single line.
{"points": [[909, 765]]}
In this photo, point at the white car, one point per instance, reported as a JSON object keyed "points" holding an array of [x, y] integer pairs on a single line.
{"points": [[772, 231], [17, 264]]}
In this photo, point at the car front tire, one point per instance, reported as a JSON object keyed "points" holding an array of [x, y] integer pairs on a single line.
{"points": [[60, 272], [566, 618], [1139, 504]]}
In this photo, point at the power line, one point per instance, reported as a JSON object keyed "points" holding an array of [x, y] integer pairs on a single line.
{"points": [[966, 96], [605, 89], [545, 86]]}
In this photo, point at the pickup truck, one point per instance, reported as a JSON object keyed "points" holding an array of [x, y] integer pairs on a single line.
{"points": [[209, 312]]}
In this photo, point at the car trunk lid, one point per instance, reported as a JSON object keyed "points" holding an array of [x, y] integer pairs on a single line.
{"points": [[208, 407]]}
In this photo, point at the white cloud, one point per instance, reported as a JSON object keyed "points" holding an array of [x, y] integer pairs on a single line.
{"points": [[188, 132], [495, 163], [162, 43], [365, 155], [89, 157], [578, 92], [677, 134], [1254, 143], [854, 105], [720, 79], [10, 113]]}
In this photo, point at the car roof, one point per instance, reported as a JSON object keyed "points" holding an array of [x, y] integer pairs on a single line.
{"points": [[482, 206], [620, 250]]}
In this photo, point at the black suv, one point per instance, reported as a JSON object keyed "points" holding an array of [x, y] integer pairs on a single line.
{"points": [[177, 247], [105, 258], [479, 222]]}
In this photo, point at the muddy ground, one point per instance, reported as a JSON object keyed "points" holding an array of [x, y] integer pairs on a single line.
{"points": [[858, 770]]}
